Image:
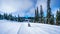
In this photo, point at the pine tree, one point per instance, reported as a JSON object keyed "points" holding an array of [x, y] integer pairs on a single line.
{"points": [[48, 11], [19, 18], [0, 16], [36, 15], [41, 14], [10, 17], [58, 17], [52, 20], [15, 18], [5, 16]]}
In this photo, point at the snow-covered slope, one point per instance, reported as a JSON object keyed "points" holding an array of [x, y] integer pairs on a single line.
{"points": [[11, 27]]}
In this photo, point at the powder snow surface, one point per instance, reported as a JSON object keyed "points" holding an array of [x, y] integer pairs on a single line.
{"points": [[11, 27]]}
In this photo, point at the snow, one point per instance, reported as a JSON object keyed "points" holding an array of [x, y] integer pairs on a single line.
{"points": [[11, 27]]}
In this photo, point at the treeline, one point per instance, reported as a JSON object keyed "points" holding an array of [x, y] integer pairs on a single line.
{"points": [[39, 17], [12, 18], [49, 19]]}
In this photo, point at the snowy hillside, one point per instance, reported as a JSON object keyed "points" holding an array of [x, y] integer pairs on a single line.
{"points": [[10, 27]]}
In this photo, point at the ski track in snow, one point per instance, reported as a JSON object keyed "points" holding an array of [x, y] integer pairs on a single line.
{"points": [[11, 27]]}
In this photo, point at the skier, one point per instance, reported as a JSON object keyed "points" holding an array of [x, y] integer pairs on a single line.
{"points": [[29, 25]]}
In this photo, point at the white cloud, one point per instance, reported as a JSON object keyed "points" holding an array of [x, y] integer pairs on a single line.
{"points": [[7, 9], [9, 6]]}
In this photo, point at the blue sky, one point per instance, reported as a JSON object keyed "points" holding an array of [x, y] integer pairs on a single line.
{"points": [[27, 7]]}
